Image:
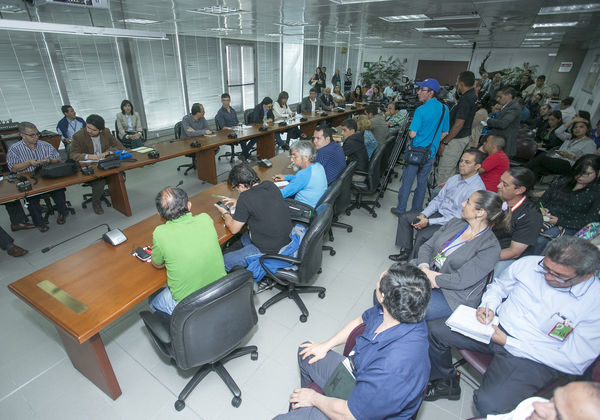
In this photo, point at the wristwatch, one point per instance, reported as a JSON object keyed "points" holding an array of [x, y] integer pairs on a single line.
{"points": [[223, 214]]}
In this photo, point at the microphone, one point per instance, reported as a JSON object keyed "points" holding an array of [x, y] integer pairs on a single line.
{"points": [[179, 183], [48, 248]]}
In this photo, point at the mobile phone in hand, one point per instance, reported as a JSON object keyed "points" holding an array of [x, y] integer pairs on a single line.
{"points": [[222, 205]]}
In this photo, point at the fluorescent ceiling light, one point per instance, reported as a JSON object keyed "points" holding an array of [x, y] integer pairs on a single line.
{"points": [[293, 24], [455, 36], [218, 11], [460, 41], [551, 54], [10, 8], [538, 39], [372, 37], [354, 1], [530, 45], [273, 35], [553, 24], [59, 28], [457, 17], [342, 32], [393, 41], [433, 29], [221, 30], [405, 18], [138, 21], [545, 33], [574, 8]]}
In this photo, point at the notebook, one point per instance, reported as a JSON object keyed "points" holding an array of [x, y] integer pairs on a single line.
{"points": [[464, 321]]}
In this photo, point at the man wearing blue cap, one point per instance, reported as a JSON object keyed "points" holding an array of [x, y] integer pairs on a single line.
{"points": [[429, 125]]}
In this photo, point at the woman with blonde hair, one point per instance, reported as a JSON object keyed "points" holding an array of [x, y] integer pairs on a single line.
{"points": [[364, 124]]}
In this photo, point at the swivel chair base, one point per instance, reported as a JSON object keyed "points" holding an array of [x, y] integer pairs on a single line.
{"points": [[291, 291], [87, 198], [223, 374], [359, 203], [189, 166]]}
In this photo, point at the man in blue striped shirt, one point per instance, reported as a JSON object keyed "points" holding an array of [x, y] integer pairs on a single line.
{"points": [[329, 154], [26, 156]]}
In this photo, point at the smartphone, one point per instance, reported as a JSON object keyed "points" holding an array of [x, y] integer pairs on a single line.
{"points": [[222, 205], [141, 253], [415, 221]]}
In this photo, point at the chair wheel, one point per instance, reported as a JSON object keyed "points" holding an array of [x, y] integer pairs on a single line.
{"points": [[83, 206], [348, 212], [332, 252], [349, 229], [179, 405], [377, 205], [321, 295], [374, 214], [320, 271], [108, 205], [178, 169], [261, 310], [254, 355], [236, 401], [303, 318]]}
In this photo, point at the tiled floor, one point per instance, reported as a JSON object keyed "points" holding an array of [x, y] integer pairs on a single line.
{"points": [[39, 382]]}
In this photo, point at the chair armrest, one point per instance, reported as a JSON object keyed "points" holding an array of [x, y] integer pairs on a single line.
{"points": [[156, 326], [276, 257]]}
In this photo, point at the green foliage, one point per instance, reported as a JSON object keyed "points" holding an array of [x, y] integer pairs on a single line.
{"points": [[512, 75], [382, 72]]}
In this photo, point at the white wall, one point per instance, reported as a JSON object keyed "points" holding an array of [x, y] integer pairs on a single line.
{"points": [[500, 58], [584, 100]]}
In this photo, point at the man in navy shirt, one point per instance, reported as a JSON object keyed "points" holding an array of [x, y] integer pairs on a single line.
{"points": [[389, 360], [227, 118], [329, 154]]}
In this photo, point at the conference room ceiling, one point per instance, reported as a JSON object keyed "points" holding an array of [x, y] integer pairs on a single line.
{"points": [[489, 23]]}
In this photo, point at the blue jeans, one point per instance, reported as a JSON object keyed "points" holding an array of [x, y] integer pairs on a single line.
{"points": [[239, 256], [438, 306], [408, 176], [552, 232], [163, 301]]}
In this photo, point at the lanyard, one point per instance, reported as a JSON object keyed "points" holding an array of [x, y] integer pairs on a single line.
{"points": [[73, 126], [448, 246], [516, 206]]}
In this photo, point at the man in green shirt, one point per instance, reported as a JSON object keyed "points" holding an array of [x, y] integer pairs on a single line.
{"points": [[187, 246]]}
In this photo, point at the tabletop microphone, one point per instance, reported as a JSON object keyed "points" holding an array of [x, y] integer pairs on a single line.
{"points": [[48, 248]]}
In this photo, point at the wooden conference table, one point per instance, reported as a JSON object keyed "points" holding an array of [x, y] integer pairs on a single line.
{"points": [[204, 158], [87, 291]]}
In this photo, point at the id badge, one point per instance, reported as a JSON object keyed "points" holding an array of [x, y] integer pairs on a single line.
{"points": [[560, 331], [439, 260]]}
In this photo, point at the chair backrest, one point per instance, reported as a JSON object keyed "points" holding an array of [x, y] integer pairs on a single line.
{"points": [[247, 114], [526, 148], [345, 196], [217, 125], [310, 251], [375, 168], [211, 322], [388, 146], [177, 130], [351, 341], [331, 194], [117, 132]]}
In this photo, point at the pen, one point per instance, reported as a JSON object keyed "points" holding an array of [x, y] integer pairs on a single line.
{"points": [[542, 206], [486, 314]]}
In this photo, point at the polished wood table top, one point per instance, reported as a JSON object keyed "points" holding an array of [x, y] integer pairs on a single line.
{"points": [[108, 279]]}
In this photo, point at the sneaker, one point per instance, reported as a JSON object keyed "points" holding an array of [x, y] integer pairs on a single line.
{"points": [[262, 285], [444, 388]]}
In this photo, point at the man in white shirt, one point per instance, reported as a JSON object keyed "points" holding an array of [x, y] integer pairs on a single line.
{"points": [[574, 401], [549, 320]]}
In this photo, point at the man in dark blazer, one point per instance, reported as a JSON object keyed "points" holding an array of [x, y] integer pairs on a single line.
{"points": [[508, 120], [94, 142], [262, 110], [313, 104]]}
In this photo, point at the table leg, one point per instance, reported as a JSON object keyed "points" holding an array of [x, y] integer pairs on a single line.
{"points": [[118, 193], [265, 146], [206, 166], [91, 360]]}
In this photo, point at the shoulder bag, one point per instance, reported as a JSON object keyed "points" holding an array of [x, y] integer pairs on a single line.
{"points": [[419, 155]]}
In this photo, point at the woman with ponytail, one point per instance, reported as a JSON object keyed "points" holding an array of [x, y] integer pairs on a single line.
{"points": [[459, 257]]}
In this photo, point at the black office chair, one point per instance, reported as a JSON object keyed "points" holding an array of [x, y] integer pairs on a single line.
{"points": [[330, 197], [344, 199], [189, 166], [232, 154], [126, 142], [370, 185], [205, 329], [307, 264]]}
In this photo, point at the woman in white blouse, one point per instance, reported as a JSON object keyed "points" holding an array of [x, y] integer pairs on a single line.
{"points": [[129, 125], [282, 110], [338, 98]]}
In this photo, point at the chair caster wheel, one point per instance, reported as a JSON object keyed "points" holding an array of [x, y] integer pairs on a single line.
{"points": [[377, 205], [332, 252], [84, 206], [321, 295], [261, 310], [320, 271], [236, 401], [374, 214], [178, 169], [254, 355], [348, 213], [303, 318], [179, 405], [349, 229]]}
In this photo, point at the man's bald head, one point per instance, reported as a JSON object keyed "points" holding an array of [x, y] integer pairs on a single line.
{"points": [[574, 401], [172, 203]]}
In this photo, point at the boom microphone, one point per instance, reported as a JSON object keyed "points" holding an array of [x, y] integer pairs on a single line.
{"points": [[48, 248]]}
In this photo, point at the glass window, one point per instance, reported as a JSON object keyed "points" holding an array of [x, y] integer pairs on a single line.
{"points": [[292, 72], [268, 70]]}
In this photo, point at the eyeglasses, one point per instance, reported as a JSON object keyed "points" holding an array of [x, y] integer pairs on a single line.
{"points": [[559, 278], [424, 89], [31, 134]]}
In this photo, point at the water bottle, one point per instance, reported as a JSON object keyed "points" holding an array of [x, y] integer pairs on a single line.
{"points": [[265, 123]]}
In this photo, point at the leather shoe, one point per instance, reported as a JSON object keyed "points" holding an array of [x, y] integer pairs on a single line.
{"points": [[22, 226], [444, 388], [43, 228], [16, 251], [401, 257], [394, 212], [98, 208], [61, 219]]}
